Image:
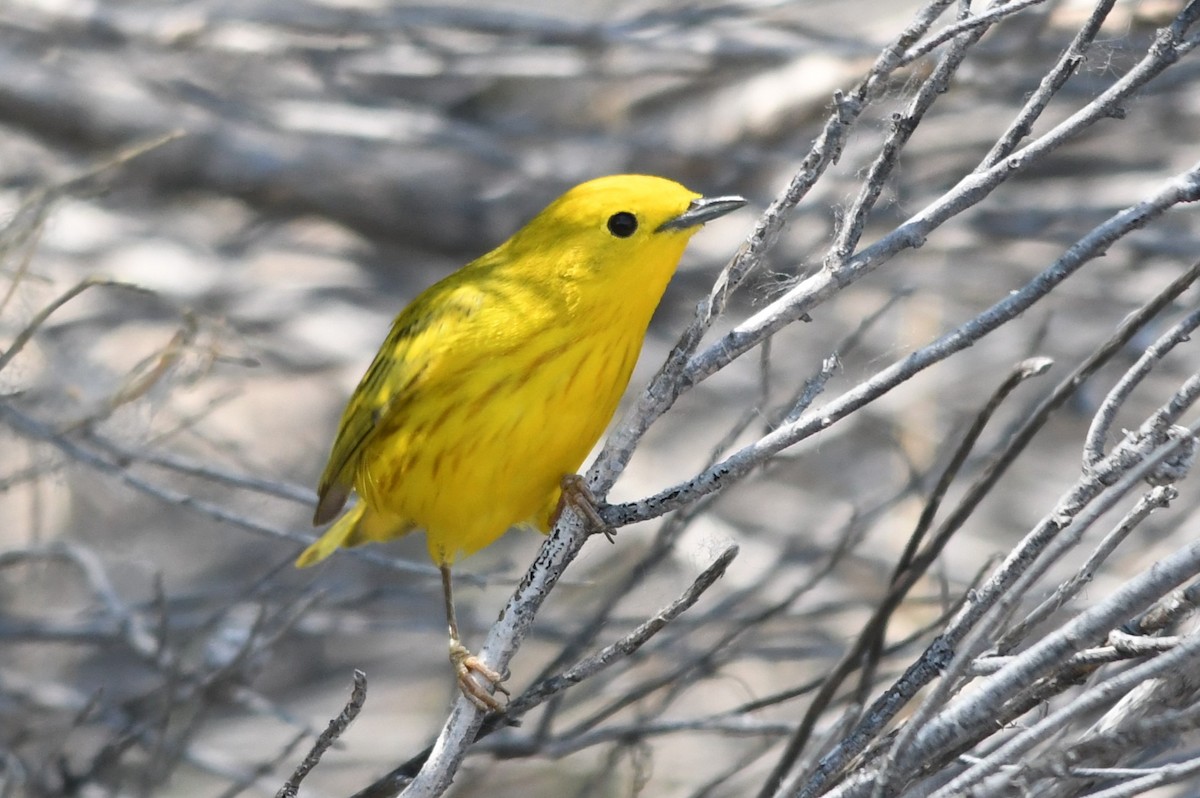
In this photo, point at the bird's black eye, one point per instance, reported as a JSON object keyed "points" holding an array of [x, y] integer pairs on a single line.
{"points": [[623, 224]]}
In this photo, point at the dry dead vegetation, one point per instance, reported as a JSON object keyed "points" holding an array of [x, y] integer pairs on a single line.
{"points": [[914, 478]]}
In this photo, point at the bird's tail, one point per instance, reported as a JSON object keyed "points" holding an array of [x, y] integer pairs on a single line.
{"points": [[357, 526]]}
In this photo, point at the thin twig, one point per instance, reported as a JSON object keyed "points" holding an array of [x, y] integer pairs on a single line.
{"points": [[1157, 498], [1093, 450], [628, 644], [28, 331], [337, 727]]}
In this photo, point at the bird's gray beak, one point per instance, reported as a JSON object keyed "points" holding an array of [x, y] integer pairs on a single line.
{"points": [[702, 210]]}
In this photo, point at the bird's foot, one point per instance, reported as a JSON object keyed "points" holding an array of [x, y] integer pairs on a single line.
{"points": [[577, 494], [466, 665]]}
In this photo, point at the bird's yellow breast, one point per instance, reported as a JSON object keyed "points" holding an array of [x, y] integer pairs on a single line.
{"points": [[485, 445]]}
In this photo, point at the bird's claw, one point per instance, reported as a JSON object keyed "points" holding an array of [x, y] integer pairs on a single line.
{"points": [[575, 492], [466, 665]]}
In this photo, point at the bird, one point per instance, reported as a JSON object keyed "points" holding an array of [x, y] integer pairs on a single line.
{"points": [[494, 384]]}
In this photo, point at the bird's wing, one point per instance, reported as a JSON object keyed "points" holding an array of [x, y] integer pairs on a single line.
{"points": [[420, 342]]}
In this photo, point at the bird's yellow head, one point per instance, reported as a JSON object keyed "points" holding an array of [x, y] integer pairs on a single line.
{"points": [[627, 231]]}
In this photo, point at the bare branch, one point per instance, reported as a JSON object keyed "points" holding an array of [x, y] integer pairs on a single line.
{"points": [[337, 727]]}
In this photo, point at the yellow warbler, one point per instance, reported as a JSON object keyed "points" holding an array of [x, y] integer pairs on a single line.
{"points": [[495, 383]]}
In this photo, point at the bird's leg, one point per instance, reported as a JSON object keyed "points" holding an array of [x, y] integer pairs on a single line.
{"points": [[577, 494], [465, 663]]}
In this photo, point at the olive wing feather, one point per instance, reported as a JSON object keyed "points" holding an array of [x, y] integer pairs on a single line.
{"points": [[422, 340]]}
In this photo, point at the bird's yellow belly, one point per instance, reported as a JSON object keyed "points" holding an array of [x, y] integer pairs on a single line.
{"points": [[498, 457]]}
